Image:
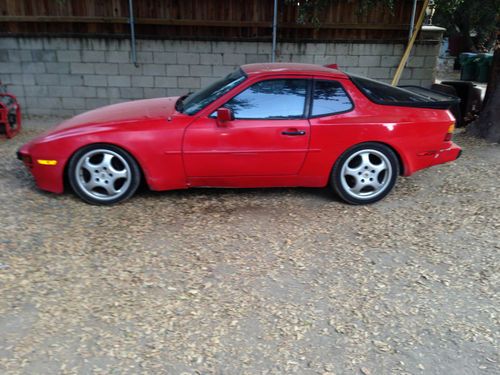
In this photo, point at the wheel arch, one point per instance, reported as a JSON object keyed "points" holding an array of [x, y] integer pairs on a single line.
{"points": [[144, 175], [401, 162], [336, 182]]}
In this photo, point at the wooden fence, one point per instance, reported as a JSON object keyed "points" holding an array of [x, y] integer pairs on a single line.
{"points": [[202, 19]]}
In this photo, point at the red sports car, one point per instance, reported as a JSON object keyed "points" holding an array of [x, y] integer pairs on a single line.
{"points": [[263, 125]]}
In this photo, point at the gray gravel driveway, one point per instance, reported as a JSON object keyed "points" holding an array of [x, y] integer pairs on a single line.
{"points": [[269, 281]]}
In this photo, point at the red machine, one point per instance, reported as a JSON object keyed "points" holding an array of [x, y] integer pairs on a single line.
{"points": [[10, 113]]}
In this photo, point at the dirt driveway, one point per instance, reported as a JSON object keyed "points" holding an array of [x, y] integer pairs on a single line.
{"points": [[272, 281]]}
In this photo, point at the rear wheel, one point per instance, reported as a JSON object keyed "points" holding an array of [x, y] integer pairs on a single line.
{"points": [[365, 173], [103, 174]]}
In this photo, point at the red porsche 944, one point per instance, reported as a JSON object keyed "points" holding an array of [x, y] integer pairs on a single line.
{"points": [[264, 125]]}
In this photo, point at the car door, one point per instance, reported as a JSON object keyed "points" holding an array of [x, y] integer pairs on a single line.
{"points": [[269, 135]]}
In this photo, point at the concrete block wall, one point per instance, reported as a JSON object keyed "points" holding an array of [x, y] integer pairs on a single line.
{"points": [[66, 76]]}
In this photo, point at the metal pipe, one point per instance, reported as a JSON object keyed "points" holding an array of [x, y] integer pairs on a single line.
{"points": [[275, 22], [412, 20], [132, 31]]}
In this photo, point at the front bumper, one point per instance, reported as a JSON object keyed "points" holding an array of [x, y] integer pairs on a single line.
{"points": [[47, 177], [25, 158]]}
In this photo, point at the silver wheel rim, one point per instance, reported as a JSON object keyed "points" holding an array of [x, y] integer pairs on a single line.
{"points": [[366, 174], [103, 174]]}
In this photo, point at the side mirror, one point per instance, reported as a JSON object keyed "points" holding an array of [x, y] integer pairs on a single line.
{"points": [[224, 115]]}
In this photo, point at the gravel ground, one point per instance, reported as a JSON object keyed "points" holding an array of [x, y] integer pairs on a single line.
{"points": [[270, 281]]}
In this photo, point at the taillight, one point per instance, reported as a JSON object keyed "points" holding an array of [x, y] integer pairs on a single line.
{"points": [[449, 134]]}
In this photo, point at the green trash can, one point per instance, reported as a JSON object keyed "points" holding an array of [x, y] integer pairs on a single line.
{"points": [[468, 63], [484, 67]]}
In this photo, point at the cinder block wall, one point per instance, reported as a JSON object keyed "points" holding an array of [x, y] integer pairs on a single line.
{"points": [[65, 76]]}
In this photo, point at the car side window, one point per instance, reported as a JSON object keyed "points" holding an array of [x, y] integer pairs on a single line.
{"points": [[271, 99], [329, 97]]}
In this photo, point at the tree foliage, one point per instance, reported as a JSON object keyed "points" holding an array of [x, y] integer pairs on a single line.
{"points": [[477, 21]]}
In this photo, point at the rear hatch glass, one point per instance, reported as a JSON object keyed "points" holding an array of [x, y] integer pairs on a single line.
{"points": [[382, 93]]}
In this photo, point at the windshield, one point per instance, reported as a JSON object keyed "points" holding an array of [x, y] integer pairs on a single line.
{"points": [[200, 99]]}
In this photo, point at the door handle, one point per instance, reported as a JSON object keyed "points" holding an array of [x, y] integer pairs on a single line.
{"points": [[293, 132]]}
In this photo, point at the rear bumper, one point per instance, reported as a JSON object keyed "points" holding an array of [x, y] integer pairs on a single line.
{"points": [[429, 158], [449, 154]]}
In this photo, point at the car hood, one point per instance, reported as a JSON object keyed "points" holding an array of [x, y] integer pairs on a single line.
{"points": [[110, 117], [123, 112]]}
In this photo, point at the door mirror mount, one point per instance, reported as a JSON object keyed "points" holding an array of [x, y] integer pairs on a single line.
{"points": [[224, 115]]}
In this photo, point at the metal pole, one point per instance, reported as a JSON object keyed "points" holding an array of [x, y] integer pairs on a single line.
{"points": [[275, 22], [412, 20], [132, 31]]}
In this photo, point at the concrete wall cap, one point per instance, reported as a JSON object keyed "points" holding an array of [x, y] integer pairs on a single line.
{"points": [[433, 28]]}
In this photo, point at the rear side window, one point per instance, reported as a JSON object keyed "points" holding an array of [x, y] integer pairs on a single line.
{"points": [[272, 99], [329, 97], [382, 93]]}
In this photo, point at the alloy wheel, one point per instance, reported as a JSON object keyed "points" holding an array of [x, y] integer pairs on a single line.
{"points": [[103, 174]]}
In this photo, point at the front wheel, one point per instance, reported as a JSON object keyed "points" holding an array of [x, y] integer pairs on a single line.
{"points": [[103, 174], [365, 173]]}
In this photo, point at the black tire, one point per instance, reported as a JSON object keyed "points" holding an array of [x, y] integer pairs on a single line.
{"points": [[103, 174], [365, 173]]}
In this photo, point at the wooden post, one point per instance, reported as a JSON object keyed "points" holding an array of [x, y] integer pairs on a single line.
{"points": [[404, 59]]}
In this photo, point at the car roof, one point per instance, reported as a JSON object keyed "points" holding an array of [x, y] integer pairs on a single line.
{"points": [[291, 68]]}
